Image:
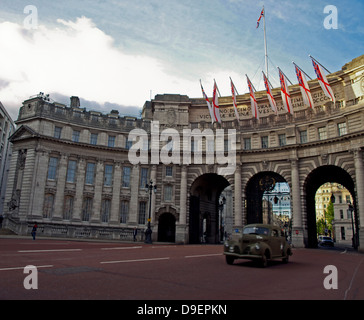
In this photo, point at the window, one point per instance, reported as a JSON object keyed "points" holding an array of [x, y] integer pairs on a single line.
{"points": [[68, 208], [128, 144], [124, 211], [143, 177], [341, 214], [282, 140], [342, 233], [126, 177], [142, 211], [75, 136], [247, 143], [322, 133], [342, 128], [71, 171], [264, 142], [52, 168], [105, 210], [168, 193], [90, 173], [169, 171], [303, 136], [111, 141], [93, 139], [108, 175], [86, 209], [48, 206], [57, 132]]}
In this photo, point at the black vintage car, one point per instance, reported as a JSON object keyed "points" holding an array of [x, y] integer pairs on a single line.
{"points": [[261, 242]]}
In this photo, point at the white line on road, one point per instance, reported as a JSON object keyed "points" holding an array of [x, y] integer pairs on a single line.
{"points": [[121, 248], [138, 260], [204, 255], [51, 250], [22, 268]]}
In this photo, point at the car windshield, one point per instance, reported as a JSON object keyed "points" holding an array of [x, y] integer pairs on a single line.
{"points": [[256, 230]]}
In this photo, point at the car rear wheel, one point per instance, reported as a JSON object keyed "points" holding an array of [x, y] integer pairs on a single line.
{"points": [[229, 260]]}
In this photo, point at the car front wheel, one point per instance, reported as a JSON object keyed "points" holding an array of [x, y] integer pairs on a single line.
{"points": [[229, 260]]}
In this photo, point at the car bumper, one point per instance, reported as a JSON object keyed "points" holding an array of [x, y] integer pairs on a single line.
{"points": [[244, 256]]}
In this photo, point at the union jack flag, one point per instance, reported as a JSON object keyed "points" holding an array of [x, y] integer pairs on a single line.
{"points": [[305, 90], [260, 17], [272, 102], [254, 104], [323, 81], [286, 97]]}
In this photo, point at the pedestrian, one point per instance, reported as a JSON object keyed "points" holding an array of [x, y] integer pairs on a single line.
{"points": [[135, 232], [34, 231]]}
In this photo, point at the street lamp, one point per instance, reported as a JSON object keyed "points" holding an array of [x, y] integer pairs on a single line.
{"points": [[148, 233]]}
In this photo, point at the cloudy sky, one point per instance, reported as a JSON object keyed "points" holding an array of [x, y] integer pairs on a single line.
{"points": [[116, 54]]}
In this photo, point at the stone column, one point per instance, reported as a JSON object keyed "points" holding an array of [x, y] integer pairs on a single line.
{"points": [[297, 228], [359, 176], [115, 202], [153, 177], [238, 220], [134, 192], [181, 235], [80, 184], [99, 181], [61, 181]]}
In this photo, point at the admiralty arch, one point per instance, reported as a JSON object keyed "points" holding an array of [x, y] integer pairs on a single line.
{"points": [[70, 172]]}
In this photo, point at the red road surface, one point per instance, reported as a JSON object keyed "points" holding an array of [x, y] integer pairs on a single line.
{"points": [[98, 270]]}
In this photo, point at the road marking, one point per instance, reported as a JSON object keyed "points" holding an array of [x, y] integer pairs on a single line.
{"points": [[204, 255], [121, 248], [22, 268], [137, 260], [352, 279], [51, 250]]}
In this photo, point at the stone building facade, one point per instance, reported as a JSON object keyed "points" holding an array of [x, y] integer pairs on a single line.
{"points": [[72, 173]]}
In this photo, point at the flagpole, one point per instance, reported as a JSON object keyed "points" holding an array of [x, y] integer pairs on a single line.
{"points": [[265, 46], [285, 75], [318, 63], [302, 70]]}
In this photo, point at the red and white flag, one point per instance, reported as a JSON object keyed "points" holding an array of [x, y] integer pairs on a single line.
{"points": [[323, 81], [272, 102], [260, 17], [286, 97], [208, 103], [305, 90], [233, 92], [215, 104], [254, 104]]}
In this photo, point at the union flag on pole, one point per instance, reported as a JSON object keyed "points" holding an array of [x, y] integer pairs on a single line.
{"points": [[286, 97], [260, 17], [208, 103], [323, 81], [254, 104], [272, 102], [233, 92], [215, 104], [305, 90]]}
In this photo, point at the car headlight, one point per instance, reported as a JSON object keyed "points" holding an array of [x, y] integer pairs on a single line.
{"points": [[257, 247]]}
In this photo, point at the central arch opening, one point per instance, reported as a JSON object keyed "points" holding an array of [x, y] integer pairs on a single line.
{"points": [[205, 220]]}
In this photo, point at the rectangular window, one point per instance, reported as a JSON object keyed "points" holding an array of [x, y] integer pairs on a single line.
{"points": [[322, 134], [68, 208], [168, 193], [282, 140], [48, 206], [57, 132], [86, 209], [247, 144], [303, 136], [343, 233], [126, 177], [264, 142], [52, 168], [143, 177], [111, 141], [105, 210], [124, 211], [169, 171], [108, 175], [71, 171], [93, 139], [128, 144], [142, 211], [75, 136], [342, 129], [90, 173]]}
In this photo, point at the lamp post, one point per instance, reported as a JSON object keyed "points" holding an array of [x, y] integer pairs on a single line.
{"points": [[148, 233]]}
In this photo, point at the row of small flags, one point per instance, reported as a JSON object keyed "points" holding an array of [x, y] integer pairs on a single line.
{"points": [[286, 97]]}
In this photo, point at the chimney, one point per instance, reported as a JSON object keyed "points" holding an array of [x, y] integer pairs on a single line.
{"points": [[75, 102]]}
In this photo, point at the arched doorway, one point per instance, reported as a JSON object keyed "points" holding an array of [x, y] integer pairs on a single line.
{"points": [[167, 228], [262, 194], [204, 221], [314, 180]]}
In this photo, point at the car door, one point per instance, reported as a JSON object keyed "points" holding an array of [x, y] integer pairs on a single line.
{"points": [[275, 241]]}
